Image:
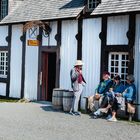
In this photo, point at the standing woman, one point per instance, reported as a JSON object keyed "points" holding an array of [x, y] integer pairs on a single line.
{"points": [[77, 83]]}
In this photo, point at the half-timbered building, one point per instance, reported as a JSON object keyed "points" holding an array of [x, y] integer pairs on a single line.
{"points": [[41, 39]]}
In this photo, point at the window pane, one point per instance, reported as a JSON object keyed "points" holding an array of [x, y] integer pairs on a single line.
{"points": [[112, 63], [4, 8], [112, 69], [117, 57], [127, 63], [123, 70], [123, 57], [116, 70], [126, 70], [116, 63], [112, 56], [93, 3], [112, 75], [123, 63]]}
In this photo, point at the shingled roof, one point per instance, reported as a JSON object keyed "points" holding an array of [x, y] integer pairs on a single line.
{"points": [[44, 10], [117, 6]]}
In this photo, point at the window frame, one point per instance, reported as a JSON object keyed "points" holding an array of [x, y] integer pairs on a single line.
{"points": [[3, 8], [4, 65], [120, 67], [94, 4]]}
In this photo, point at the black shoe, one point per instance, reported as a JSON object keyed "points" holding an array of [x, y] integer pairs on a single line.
{"points": [[91, 114], [77, 113], [95, 117], [71, 113]]}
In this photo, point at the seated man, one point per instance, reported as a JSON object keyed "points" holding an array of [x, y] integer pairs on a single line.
{"points": [[102, 88]]}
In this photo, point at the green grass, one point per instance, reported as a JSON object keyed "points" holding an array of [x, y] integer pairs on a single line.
{"points": [[135, 122], [13, 100], [8, 100], [83, 111]]}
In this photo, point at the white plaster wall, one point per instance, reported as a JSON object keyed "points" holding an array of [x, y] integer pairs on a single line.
{"points": [[16, 61], [50, 40], [68, 52], [117, 27], [3, 89], [31, 71], [91, 54], [3, 35], [137, 62]]}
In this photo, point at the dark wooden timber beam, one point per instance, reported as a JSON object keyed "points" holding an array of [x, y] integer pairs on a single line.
{"points": [[9, 58]]}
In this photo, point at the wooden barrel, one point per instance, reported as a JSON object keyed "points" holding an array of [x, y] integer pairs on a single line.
{"points": [[57, 98], [67, 100]]}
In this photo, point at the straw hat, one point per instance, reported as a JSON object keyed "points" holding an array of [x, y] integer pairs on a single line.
{"points": [[78, 63]]}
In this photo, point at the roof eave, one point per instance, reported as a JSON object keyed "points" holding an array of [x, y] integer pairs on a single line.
{"points": [[116, 13], [53, 19]]}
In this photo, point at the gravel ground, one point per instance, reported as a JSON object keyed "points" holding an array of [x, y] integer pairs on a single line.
{"points": [[37, 121]]}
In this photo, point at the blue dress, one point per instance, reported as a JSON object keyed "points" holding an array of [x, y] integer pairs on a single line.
{"points": [[130, 93]]}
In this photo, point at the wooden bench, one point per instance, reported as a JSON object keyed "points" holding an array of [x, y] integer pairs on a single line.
{"points": [[96, 103], [130, 115]]}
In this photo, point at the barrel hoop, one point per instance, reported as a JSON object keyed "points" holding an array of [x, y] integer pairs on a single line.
{"points": [[58, 90], [67, 96], [61, 90], [58, 96]]}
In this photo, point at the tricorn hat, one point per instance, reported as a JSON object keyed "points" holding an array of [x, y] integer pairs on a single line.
{"points": [[78, 63]]}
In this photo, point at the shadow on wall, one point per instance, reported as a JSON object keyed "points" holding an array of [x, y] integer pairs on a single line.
{"points": [[74, 4]]}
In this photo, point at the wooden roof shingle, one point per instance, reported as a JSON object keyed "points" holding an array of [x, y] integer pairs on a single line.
{"points": [[44, 10], [116, 6]]}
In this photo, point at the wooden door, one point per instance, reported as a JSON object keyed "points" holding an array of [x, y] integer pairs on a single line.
{"points": [[48, 76], [44, 87]]}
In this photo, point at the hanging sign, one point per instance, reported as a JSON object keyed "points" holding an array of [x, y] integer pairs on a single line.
{"points": [[33, 43]]}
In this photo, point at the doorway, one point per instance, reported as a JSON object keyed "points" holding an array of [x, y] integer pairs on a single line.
{"points": [[48, 70]]}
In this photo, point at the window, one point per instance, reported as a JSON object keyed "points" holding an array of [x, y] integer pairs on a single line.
{"points": [[3, 8], [93, 4], [3, 64], [118, 64]]}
